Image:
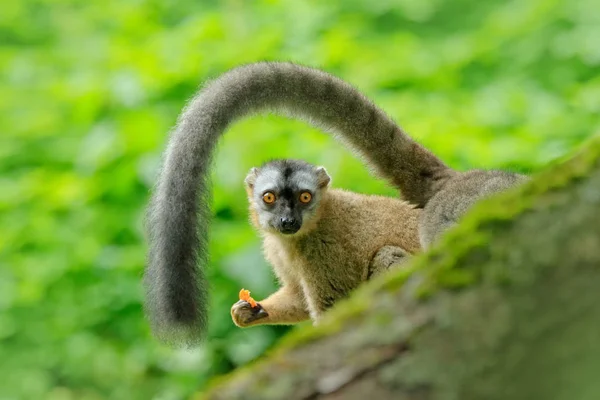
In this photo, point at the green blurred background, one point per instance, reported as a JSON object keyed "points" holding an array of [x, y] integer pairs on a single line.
{"points": [[90, 90]]}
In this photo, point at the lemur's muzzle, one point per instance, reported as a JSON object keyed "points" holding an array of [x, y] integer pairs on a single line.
{"points": [[289, 225]]}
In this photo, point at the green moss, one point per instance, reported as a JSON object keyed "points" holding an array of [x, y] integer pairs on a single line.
{"points": [[394, 280], [333, 323], [443, 267]]}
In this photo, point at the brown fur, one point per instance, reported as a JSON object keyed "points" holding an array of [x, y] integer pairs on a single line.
{"points": [[333, 254]]}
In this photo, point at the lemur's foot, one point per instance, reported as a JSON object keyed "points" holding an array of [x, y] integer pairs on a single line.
{"points": [[386, 258], [243, 314], [391, 255]]}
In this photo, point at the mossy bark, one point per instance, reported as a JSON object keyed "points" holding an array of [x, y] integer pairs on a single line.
{"points": [[507, 307]]}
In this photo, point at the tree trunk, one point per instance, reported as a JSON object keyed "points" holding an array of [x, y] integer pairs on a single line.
{"points": [[507, 307]]}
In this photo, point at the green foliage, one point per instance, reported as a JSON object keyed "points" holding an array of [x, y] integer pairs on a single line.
{"points": [[91, 89]]}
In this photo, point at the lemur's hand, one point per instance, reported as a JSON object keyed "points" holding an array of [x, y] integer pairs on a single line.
{"points": [[243, 314]]}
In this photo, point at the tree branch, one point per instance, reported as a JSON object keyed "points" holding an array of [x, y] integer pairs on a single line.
{"points": [[508, 306]]}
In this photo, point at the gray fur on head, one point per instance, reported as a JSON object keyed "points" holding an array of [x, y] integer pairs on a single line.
{"points": [[286, 180]]}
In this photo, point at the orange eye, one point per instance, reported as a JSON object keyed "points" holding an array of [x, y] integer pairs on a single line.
{"points": [[305, 197], [269, 198]]}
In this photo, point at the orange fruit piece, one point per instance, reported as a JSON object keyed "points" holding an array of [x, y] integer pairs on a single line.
{"points": [[245, 295]]}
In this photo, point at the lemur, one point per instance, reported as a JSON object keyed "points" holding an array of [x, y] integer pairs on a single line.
{"points": [[178, 214], [321, 242]]}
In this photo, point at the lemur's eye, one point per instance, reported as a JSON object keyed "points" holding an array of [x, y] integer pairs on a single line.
{"points": [[269, 198], [305, 197]]}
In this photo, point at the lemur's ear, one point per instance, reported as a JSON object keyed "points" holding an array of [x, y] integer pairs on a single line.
{"points": [[323, 177], [251, 177]]}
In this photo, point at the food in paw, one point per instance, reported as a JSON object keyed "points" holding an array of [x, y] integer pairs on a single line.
{"points": [[245, 295]]}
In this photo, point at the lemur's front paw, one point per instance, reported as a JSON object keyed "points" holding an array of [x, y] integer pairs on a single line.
{"points": [[243, 314]]}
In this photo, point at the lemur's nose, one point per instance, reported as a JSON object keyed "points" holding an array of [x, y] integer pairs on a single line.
{"points": [[287, 223]]}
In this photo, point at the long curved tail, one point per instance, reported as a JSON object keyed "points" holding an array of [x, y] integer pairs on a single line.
{"points": [[176, 290]]}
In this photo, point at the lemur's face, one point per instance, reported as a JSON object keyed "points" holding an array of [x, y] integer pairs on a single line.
{"points": [[285, 195]]}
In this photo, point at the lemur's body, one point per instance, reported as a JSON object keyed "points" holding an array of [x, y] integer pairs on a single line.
{"points": [[339, 235], [326, 270], [176, 298]]}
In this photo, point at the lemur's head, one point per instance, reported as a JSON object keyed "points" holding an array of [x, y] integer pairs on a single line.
{"points": [[285, 194]]}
